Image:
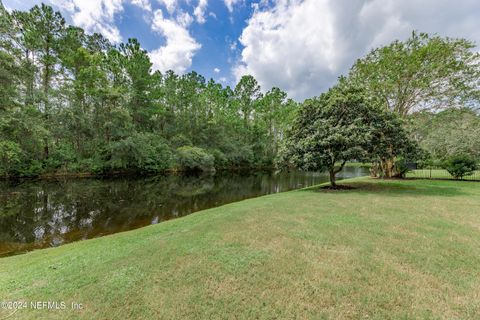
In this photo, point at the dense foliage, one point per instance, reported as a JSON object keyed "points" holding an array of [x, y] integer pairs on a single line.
{"points": [[448, 133], [195, 159], [73, 102], [423, 72], [344, 125], [460, 166]]}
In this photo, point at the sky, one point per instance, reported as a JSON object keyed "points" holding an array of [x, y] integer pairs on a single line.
{"points": [[300, 46]]}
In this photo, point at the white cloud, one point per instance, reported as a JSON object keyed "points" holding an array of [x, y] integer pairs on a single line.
{"points": [[230, 4], [171, 5], [180, 46], [302, 46], [199, 11], [94, 15], [216, 70], [233, 45], [144, 4], [184, 19]]}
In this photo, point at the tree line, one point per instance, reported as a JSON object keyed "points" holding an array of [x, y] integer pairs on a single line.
{"points": [[411, 101], [74, 102]]}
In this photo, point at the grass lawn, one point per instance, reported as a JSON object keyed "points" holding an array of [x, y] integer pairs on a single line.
{"points": [[439, 174], [386, 250]]}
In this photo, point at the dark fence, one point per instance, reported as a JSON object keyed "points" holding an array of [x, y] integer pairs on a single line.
{"points": [[439, 173]]}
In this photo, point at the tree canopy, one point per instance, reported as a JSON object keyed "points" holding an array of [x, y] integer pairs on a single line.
{"points": [[447, 133], [423, 72], [74, 102], [342, 125]]}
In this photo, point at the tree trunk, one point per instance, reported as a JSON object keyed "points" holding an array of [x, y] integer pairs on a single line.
{"points": [[333, 173], [333, 182], [388, 168], [374, 170], [46, 89]]}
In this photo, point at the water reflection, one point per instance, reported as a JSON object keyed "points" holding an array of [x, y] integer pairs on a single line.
{"points": [[44, 214]]}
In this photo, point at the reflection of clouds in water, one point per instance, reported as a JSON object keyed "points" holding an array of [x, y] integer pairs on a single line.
{"points": [[56, 241], [59, 221], [63, 229], [88, 222], [39, 233]]}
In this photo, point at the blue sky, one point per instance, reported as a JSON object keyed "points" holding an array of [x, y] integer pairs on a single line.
{"points": [[217, 34], [301, 46]]}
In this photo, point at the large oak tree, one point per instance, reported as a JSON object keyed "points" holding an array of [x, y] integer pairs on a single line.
{"points": [[423, 72], [342, 125]]}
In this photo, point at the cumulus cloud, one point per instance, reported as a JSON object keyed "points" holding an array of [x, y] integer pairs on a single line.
{"points": [[230, 4], [216, 70], [302, 46], [180, 46], [94, 15], [171, 5], [144, 4], [199, 11]]}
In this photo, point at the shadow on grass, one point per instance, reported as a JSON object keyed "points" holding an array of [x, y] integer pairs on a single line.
{"points": [[395, 188]]}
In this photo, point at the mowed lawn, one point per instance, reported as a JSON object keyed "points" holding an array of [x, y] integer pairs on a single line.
{"points": [[439, 174], [386, 250]]}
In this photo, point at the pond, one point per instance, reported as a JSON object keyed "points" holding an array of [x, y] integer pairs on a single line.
{"points": [[40, 214]]}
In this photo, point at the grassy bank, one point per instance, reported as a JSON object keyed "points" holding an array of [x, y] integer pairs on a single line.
{"points": [[386, 250]]}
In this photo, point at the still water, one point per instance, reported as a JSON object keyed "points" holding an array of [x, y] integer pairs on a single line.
{"points": [[39, 214]]}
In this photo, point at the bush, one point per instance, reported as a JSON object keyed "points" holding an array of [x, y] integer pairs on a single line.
{"points": [[195, 159], [241, 157], [404, 165], [460, 166], [10, 155], [401, 168], [141, 151], [220, 160], [61, 156], [180, 140]]}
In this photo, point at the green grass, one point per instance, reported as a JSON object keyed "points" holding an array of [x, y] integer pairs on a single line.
{"points": [[386, 250], [439, 174]]}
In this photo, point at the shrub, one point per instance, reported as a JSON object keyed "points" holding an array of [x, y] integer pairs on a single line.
{"points": [[141, 151], [10, 155], [195, 159], [241, 157], [29, 168], [180, 140], [220, 160], [401, 168], [61, 156], [460, 166]]}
